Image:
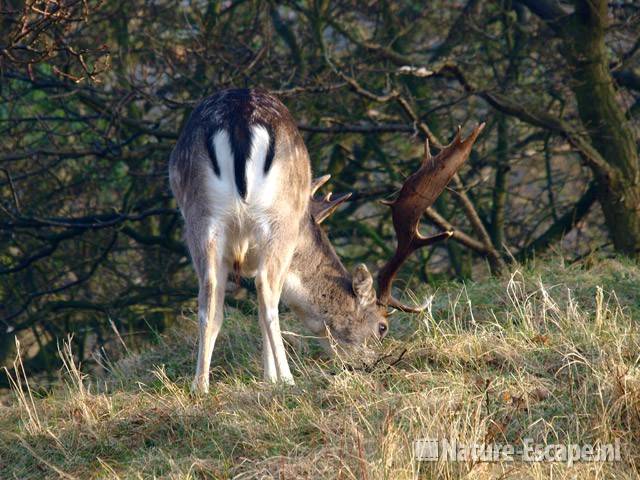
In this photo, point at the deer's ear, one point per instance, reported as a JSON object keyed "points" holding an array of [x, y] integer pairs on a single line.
{"points": [[362, 284]]}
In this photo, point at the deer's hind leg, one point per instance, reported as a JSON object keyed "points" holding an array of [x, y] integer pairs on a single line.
{"points": [[206, 251], [269, 283]]}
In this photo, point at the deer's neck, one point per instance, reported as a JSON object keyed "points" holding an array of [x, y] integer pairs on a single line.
{"points": [[317, 284]]}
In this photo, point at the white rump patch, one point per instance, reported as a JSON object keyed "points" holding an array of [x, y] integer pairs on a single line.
{"points": [[222, 189], [261, 188], [250, 217]]}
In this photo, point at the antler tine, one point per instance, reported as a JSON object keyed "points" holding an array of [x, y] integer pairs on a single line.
{"points": [[418, 193], [321, 208], [316, 183], [427, 152]]}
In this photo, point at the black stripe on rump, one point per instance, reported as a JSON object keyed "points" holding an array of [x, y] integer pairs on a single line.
{"points": [[271, 150], [240, 138], [212, 151]]}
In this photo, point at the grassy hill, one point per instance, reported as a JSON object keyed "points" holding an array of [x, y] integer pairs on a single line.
{"points": [[549, 352]]}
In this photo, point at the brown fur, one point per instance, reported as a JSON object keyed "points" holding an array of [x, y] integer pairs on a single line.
{"points": [[331, 300]]}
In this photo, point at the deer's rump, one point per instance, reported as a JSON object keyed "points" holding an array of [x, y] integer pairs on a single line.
{"points": [[247, 216], [241, 175]]}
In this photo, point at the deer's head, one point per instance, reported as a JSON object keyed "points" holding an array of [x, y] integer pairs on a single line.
{"points": [[363, 313]]}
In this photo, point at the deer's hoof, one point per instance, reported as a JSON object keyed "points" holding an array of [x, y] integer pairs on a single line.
{"points": [[199, 386]]}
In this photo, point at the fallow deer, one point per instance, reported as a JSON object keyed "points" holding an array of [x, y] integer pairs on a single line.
{"points": [[241, 175]]}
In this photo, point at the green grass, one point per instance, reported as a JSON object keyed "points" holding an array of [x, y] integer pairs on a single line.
{"points": [[549, 352]]}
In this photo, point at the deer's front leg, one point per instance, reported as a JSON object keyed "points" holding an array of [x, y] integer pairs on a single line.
{"points": [[212, 275], [269, 283]]}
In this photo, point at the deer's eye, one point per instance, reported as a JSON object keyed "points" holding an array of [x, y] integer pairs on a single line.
{"points": [[382, 329]]}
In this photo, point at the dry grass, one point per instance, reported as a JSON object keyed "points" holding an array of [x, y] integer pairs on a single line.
{"points": [[549, 352]]}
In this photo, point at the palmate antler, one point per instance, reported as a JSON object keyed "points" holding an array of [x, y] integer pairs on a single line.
{"points": [[418, 193]]}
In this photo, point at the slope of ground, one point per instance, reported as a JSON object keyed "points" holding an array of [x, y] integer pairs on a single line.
{"points": [[549, 352]]}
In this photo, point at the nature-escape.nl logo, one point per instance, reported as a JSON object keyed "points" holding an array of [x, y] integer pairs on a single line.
{"points": [[433, 450]]}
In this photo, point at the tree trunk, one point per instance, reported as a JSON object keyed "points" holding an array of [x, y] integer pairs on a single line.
{"points": [[605, 123], [500, 185]]}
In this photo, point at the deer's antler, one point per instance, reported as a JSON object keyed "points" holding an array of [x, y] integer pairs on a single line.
{"points": [[322, 207], [418, 193]]}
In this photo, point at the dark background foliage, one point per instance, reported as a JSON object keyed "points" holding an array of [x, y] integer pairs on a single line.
{"points": [[94, 94]]}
